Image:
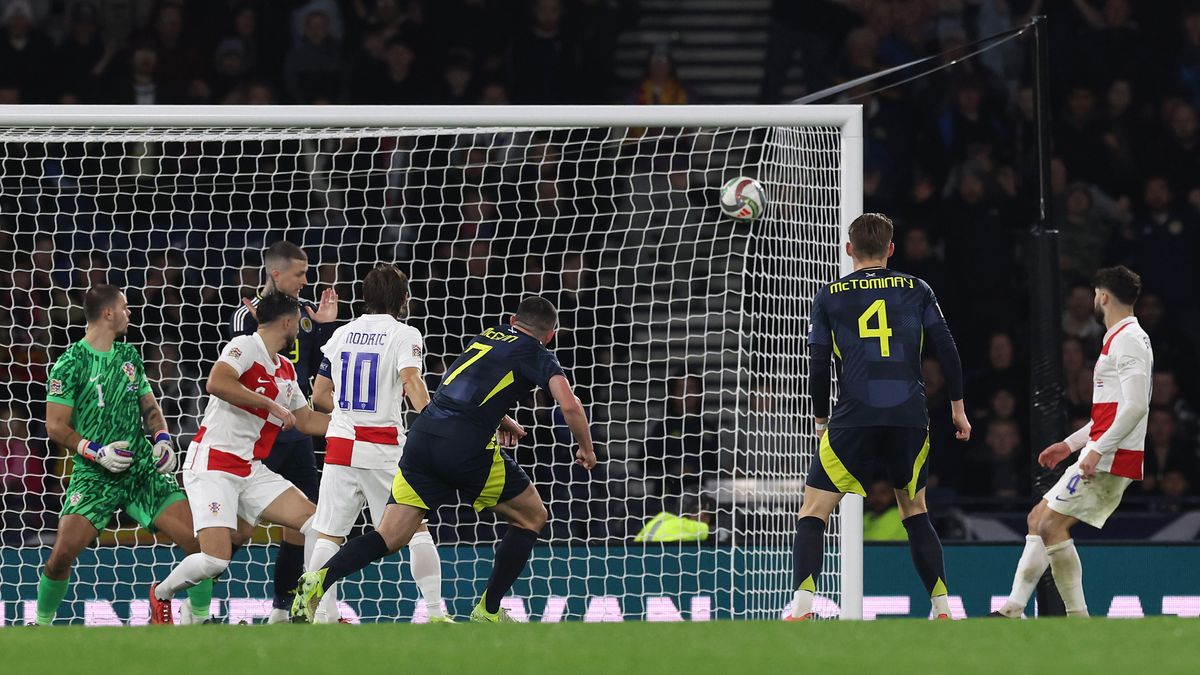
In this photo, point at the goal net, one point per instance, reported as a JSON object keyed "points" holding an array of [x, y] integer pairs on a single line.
{"points": [[682, 331]]}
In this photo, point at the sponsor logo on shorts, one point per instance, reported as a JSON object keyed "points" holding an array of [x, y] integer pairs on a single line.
{"points": [[75, 498], [215, 507], [55, 387]]}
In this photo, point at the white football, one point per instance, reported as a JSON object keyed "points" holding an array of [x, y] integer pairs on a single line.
{"points": [[743, 198]]}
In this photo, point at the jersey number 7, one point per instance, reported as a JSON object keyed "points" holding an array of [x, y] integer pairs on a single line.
{"points": [[883, 333]]}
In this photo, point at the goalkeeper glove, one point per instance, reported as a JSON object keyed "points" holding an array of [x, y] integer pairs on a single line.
{"points": [[116, 456], [164, 453]]}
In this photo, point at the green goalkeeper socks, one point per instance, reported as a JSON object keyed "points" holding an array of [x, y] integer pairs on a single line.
{"points": [[200, 596], [50, 595]]}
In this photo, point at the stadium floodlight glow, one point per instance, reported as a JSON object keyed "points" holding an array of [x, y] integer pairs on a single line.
{"points": [[611, 211]]}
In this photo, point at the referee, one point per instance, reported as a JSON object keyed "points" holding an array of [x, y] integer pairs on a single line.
{"points": [[292, 455]]}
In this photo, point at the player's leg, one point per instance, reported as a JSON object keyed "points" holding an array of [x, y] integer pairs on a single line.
{"points": [[88, 505], [906, 452], [74, 534], [296, 462], [1055, 529], [334, 518], [216, 548], [175, 521], [926, 549], [835, 472], [399, 523], [1030, 567], [423, 558], [526, 516]]}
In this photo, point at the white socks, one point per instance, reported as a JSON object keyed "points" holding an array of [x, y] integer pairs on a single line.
{"points": [[802, 603], [192, 570], [322, 550], [310, 539], [1068, 576], [427, 571], [1030, 569]]}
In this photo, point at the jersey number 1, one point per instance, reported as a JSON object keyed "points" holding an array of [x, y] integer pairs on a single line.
{"points": [[883, 333]]}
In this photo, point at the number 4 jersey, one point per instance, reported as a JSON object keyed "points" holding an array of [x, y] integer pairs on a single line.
{"points": [[364, 359], [876, 322]]}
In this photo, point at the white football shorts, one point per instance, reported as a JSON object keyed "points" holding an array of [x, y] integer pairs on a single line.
{"points": [[219, 498], [344, 492], [1089, 501]]}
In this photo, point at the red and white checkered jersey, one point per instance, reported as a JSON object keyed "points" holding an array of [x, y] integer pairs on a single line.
{"points": [[366, 429], [231, 436], [1120, 401]]}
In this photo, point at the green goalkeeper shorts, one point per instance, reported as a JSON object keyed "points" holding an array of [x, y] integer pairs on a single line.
{"points": [[141, 492]]}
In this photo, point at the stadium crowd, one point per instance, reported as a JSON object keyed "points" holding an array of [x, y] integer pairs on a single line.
{"points": [[951, 156]]}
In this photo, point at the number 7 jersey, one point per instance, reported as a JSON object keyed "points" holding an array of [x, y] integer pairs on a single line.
{"points": [[363, 359], [876, 320]]}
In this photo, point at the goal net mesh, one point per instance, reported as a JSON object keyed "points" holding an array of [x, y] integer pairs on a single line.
{"points": [[682, 332]]}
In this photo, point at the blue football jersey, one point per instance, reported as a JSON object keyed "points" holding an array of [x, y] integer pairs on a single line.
{"points": [[498, 368], [876, 322]]}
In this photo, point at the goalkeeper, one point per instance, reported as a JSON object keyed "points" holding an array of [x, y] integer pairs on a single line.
{"points": [[97, 401]]}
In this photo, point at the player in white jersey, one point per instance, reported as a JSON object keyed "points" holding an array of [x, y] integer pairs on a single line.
{"points": [[370, 365], [1110, 450], [254, 395]]}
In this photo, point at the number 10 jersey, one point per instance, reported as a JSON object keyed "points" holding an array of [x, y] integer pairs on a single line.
{"points": [[364, 359]]}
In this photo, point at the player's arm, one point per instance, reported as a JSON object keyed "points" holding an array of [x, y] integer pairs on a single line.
{"points": [[1133, 369], [820, 351], [114, 456], [156, 425], [947, 355], [414, 388], [223, 383], [576, 417], [322, 396], [311, 422], [1053, 455]]}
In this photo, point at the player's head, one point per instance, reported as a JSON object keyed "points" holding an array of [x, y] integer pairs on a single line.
{"points": [[871, 238], [1116, 287], [279, 312], [104, 305], [287, 267], [385, 291], [538, 317]]}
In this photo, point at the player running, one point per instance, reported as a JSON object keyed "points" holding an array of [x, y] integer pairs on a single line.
{"points": [[254, 395], [99, 403], [292, 456], [370, 365], [1112, 446], [454, 446], [874, 321]]}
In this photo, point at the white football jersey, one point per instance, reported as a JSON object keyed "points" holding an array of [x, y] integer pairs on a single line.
{"points": [[366, 429], [230, 436], [1126, 357]]}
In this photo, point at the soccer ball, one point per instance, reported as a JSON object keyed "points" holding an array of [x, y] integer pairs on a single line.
{"points": [[743, 199]]}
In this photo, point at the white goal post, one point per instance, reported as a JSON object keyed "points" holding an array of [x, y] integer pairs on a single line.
{"points": [[683, 331]]}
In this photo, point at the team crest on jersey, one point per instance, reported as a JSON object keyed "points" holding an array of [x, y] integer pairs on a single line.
{"points": [[54, 388], [215, 507], [129, 371], [235, 352], [75, 498], [306, 324]]}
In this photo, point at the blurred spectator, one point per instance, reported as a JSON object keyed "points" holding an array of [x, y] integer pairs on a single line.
{"points": [[1165, 394], [1000, 373], [21, 479], [84, 60], [178, 61], [541, 59], [458, 86], [313, 70], [26, 54], [998, 469], [681, 447], [1079, 317], [881, 517], [1166, 450], [399, 85], [661, 84], [1165, 246]]}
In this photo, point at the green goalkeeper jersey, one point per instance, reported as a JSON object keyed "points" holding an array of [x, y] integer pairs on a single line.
{"points": [[103, 389]]}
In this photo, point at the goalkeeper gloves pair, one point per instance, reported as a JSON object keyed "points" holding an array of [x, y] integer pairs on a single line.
{"points": [[117, 457]]}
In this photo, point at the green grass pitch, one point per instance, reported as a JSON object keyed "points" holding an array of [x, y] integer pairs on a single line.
{"points": [[1157, 645]]}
